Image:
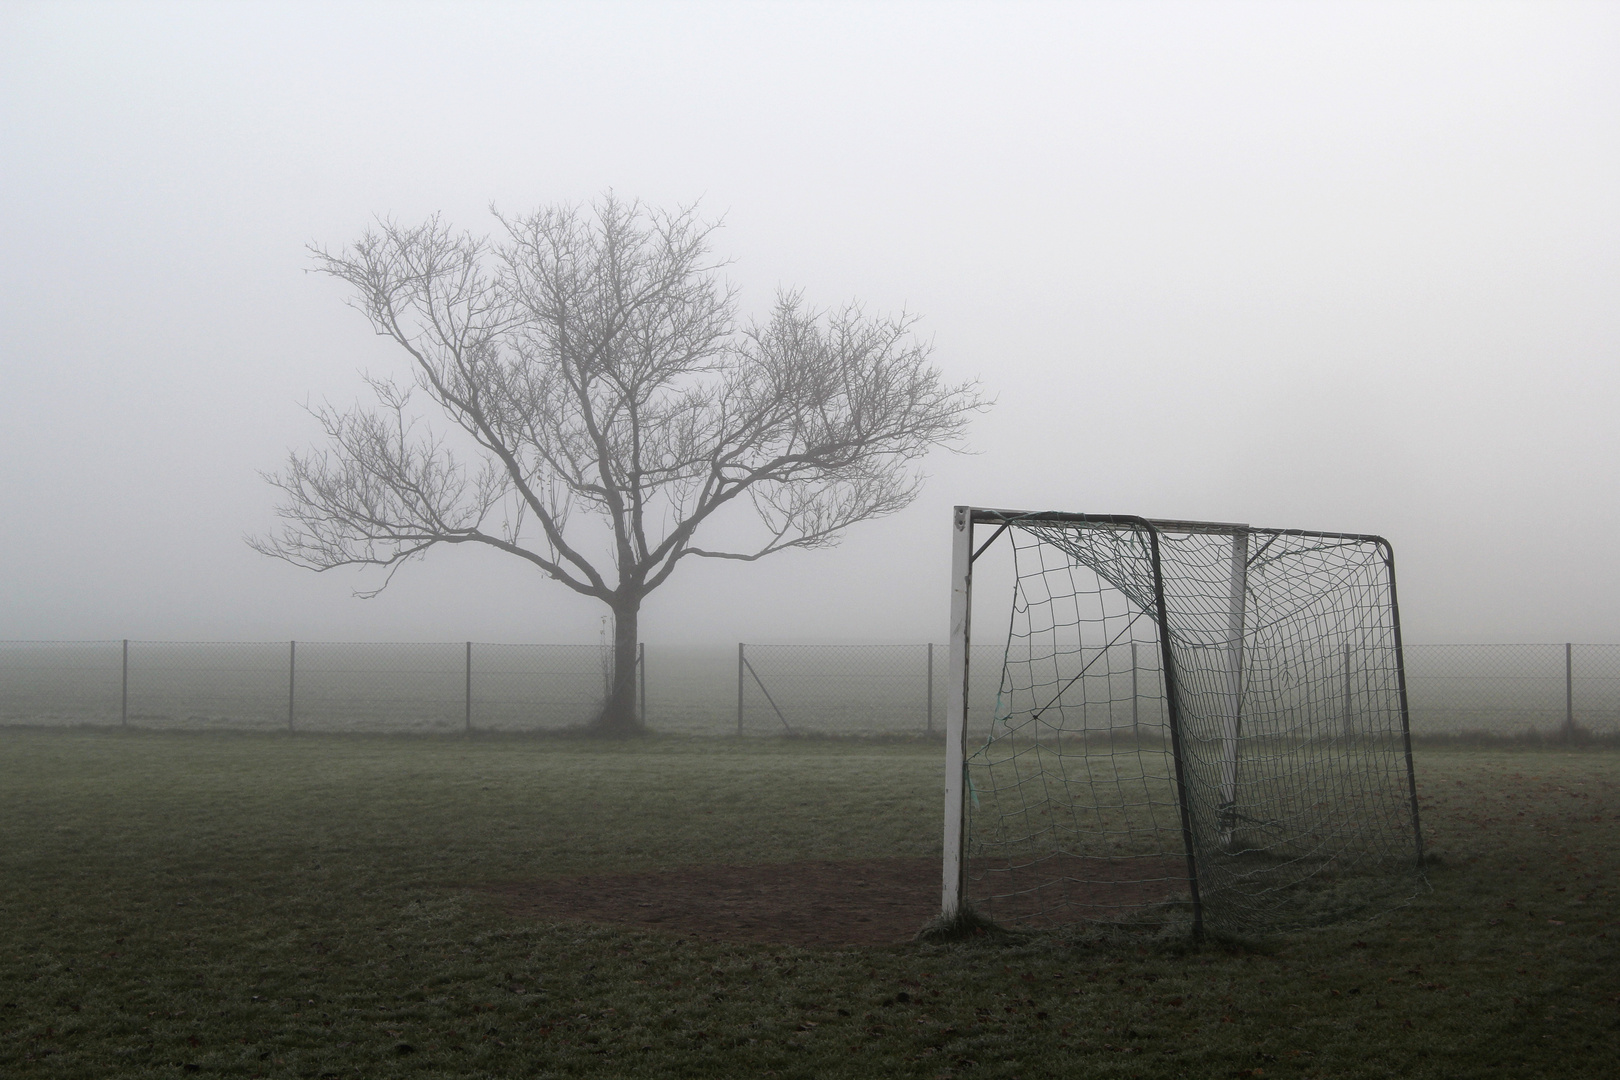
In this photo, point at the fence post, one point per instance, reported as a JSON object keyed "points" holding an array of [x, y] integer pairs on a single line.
{"points": [[641, 675], [1136, 725], [469, 686], [1569, 689], [292, 679], [123, 696], [1349, 725], [739, 688], [928, 717]]}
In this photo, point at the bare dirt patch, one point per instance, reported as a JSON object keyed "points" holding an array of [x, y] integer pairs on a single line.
{"points": [[864, 902], [826, 903]]}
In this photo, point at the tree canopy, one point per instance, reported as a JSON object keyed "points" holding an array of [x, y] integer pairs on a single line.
{"points": [[607, 401]]}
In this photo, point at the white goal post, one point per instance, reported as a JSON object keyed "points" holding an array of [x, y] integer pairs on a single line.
{"points": [[1248, 800]]}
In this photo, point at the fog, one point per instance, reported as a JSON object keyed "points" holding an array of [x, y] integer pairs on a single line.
{"points": [[1335, 266]]}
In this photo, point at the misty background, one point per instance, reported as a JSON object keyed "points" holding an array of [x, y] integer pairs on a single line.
{"points": [[1339, 266]]}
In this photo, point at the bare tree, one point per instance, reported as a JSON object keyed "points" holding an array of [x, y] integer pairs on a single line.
{"points": [[609, 403]]}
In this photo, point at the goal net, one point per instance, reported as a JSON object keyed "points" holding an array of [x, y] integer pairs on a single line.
{"points": [[1191, 717]]}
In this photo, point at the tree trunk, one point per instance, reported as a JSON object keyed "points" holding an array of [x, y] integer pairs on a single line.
{"points": [[619, 716]]}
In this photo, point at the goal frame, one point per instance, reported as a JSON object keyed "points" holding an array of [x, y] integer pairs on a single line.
{"points": [[964, 554]]}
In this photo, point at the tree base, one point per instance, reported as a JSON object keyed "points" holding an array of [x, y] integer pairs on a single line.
{"points": [[615, 724]]}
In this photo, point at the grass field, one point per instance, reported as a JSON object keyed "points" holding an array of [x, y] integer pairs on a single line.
{"points": [[283, 906]]}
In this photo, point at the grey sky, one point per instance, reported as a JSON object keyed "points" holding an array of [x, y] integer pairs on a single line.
{"points": [[1346, 266]]}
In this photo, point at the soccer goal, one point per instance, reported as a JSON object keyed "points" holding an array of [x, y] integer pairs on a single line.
{"points": [[1193, 720]]}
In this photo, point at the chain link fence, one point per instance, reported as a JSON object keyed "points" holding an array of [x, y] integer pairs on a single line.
{"points": [[882, 690], [301, 685], [1549, 690], [1509, 690]]}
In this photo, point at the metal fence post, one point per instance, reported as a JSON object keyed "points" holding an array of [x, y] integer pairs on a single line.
{"points": [[739, 688], [641, 676], [292, 679], [1569, 688], [928, 717], [123, 696], [469, 686]]}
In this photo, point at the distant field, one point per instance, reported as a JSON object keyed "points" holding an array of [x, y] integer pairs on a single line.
{"points": [[286, 906]]}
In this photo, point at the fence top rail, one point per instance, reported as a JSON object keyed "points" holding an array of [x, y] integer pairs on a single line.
{"points": [[1509, 644], [837, 644], [592, 647], [62, 641], [302, 641]]}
